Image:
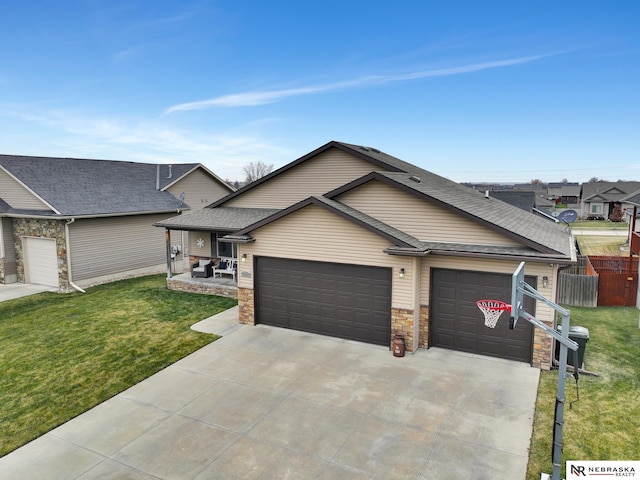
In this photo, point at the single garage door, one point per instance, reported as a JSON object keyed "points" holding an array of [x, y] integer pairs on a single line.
{"points": [[41, 261], [457, 323], [346, 301]]}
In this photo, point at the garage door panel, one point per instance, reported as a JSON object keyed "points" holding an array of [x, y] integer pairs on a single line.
{"points": [[347, 301], [457, 323], [41, 261]]}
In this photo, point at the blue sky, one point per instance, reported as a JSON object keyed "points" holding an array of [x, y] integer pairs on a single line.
{"points": [[474, 91]]}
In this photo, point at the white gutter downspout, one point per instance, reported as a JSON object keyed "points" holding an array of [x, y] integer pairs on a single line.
{"points": [[68, 244]]}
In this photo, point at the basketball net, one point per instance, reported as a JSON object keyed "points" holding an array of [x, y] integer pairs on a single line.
{"points": [[492, 310]]}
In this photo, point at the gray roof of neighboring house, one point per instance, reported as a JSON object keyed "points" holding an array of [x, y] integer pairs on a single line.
{"points": [[608, 191], [217, 219], [73, 186], [633, 198], [521, 199]]}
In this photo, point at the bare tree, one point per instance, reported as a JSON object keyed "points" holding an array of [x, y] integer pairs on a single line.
{"points": [[536, 181], [256, 170]]}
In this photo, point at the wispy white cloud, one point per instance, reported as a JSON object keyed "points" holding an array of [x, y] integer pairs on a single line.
{"points": [[253, 98], [71, 133]]}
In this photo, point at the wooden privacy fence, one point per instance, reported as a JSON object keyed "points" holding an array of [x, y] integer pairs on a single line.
{"points": [[618, 280], [599, 281], [578, 284]]}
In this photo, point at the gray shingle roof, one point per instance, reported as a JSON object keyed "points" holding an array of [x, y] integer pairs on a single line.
{"points": [[77, 187], [609, 191], [523, 200], [633, 198], [539, 233], [543, 236], [217, 219]]}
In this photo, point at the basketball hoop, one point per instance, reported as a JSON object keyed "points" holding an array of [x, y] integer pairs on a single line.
{"points": [[492, 310]]}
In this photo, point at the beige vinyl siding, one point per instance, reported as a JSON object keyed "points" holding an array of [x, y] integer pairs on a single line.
{"points": [[200, 189], [8, 250], [18, 196], [539, 270], [205, 250], [107, 246], [418, 217], [313, 233], [315, 176]]}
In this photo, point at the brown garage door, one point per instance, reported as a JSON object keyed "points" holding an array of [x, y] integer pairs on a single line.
{"points": [[457, 323], [346, 301]]}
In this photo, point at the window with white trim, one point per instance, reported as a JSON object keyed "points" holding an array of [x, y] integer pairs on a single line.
{"points": [[596, 208], [223, 249]]}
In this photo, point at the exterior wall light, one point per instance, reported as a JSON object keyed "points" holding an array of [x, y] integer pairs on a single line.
{"points": [[401, 272], [545, 281], [244, 257]]}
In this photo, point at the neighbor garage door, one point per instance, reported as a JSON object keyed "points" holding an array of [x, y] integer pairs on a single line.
{"points": [[457, 323], [41, 261], [346, 301]]}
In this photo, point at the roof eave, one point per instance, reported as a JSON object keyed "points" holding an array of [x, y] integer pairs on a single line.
{"points": [[506, 256]]}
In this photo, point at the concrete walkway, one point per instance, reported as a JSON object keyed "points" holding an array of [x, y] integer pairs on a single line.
{"points": [[17, 290], [269, 403]]}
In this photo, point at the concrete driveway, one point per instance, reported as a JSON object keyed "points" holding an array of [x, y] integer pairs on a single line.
{"points": [[268, 403]]}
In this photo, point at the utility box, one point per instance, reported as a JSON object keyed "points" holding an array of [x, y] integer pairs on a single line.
{"points": [[580, 335]]}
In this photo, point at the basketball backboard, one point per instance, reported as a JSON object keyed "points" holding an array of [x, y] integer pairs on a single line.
{"points": [[517, 297]]}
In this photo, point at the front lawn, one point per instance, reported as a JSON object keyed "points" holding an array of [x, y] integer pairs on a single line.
{"points": [[602, 245], [61, 354], [604, 423]]}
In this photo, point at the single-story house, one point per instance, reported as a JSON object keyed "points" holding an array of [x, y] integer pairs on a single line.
{"points": [[68, 222], [600, 198], [351, 242]]}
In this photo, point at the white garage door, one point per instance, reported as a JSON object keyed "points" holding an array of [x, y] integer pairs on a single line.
{"points": [[41, 261]]}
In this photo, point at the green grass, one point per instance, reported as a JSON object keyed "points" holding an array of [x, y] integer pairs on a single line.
{"points": [[599, 225], [604, 423], [601, 245], [61, 354]]}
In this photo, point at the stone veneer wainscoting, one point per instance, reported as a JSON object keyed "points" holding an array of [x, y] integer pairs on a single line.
{"points": [[41, 228]]}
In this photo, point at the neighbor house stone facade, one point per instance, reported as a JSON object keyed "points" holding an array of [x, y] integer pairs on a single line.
{"points": [[38, 228]]}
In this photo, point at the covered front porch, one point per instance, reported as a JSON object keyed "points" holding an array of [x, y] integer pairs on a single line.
{"points": [[223, 286]]}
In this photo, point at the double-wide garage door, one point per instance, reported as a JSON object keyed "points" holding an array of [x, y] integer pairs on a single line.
{"points": [[457, 323], [346, 301]]}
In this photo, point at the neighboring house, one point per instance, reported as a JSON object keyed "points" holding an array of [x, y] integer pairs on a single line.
{"points": [[565, 193], [600, 198], [351, 242], [67, 222]]}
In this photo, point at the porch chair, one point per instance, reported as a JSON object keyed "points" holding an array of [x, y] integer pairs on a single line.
{"points": [[202, 268]]}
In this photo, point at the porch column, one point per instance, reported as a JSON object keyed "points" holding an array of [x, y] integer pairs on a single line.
{"points": [[167, 237]]}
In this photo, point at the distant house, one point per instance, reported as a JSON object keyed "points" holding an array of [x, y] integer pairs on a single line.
{"points": [[600, 198], [351, 242], [67, 222], [565, 193]]}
